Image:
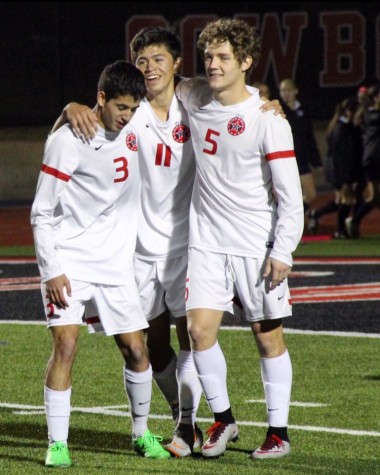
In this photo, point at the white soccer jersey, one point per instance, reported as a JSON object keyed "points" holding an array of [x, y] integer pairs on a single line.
{"points": [[85, 212], [167, 167], [241, 154]]}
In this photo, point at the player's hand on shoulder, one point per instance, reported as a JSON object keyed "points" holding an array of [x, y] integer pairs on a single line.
{"points": [[273, 105], [82, 119]]}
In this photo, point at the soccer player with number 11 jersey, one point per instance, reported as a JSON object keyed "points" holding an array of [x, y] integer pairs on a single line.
{"points": [[167, 166]]}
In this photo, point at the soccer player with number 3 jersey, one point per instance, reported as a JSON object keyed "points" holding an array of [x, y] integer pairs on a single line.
{"points": [[86, 192]]}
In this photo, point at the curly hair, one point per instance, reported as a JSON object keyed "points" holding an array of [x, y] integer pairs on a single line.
{"points": [[242, 37]]}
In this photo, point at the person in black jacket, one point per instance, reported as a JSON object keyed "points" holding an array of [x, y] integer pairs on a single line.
{"points": [[305, 145], [370, 123], [343, 168]]}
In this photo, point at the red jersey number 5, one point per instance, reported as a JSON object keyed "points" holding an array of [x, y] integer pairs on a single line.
{"points": [[212, 142]]}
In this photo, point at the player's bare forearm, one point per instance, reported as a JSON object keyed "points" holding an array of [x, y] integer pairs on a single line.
{"points": [[81, 117]]}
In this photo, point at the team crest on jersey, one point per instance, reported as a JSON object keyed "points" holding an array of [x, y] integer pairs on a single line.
{"points": [[131, 141], [181, 133], [236, 126]]}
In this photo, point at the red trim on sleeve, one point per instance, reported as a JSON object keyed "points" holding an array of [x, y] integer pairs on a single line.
{"points": [[55, 172], [281, 154]]}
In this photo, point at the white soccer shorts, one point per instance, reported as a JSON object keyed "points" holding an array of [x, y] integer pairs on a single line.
{"points": [[214, 279], [109, 309], [161, 284]]}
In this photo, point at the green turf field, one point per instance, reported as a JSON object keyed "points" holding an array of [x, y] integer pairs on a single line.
{"points": [[334, 416], [367, 246]]}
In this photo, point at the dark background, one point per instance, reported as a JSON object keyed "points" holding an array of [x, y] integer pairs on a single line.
{"points": [[53, 52]]}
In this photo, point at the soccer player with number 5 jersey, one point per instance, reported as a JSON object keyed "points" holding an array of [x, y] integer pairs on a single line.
{"points": [[246, 219]]}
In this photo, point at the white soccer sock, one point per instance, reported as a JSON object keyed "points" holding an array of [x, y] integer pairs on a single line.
{"points": [[166, 381], [277, 378], [190, 389], [57, 410], [138, 387], [212, 371]]}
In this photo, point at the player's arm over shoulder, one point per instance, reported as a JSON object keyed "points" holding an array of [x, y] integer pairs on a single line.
{"points": [[81, 117], [188, 85]]}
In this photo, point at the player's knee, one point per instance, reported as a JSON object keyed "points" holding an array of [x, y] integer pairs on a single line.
{"points": [[65, 350]]}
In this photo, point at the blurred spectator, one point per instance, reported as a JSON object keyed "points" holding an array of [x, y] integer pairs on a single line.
{"points": [[305, 145], [342, 167], [361, 99], [362, 95], [370, 123], [263, 88]]}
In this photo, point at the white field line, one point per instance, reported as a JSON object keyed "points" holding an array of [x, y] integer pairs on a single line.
{"points": [[112, 411], [286, 330], [311, 332], [292, 403]]}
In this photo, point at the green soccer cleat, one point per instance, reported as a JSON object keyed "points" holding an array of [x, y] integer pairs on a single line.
{"points": [[148, 445], [58, 456]]}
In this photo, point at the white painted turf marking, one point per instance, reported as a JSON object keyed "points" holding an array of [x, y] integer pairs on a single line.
{"points": [[292, 403], [111, 411]]}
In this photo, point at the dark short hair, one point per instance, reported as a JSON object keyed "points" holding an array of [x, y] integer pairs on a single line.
{"points": [[156, 35], [122, 78]]}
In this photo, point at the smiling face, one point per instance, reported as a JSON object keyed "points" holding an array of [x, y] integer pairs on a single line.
{"points": [[158, 67], [222, 68]]}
